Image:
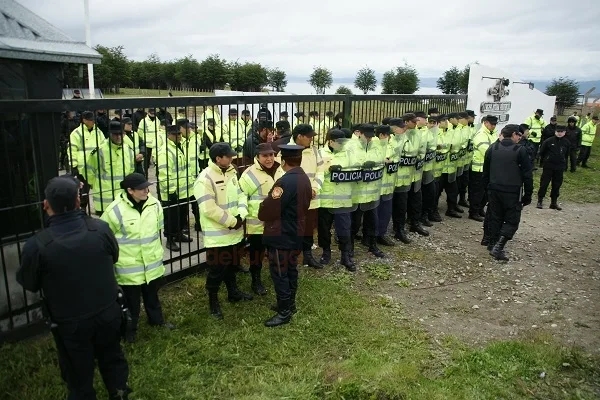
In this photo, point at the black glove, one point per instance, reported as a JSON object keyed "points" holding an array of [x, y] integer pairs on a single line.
{"points": [[202, 147], [335, 168], [526, 200], [239, 222], [369, 165]]}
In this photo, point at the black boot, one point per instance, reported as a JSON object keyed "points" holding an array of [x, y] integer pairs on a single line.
{"points": [[347, 261], [435, 216], [458, 209], [385, 241], [120, 394], [310, 260], [540, 204], [234, 294], [257, 285], [425, 221], [476, 217], [325, 257], [373, 249], [293, 309], [365, 241], [418, 228], [283, 316], [485, 240], [351, 251], [183, 238], [482, 213], [463, 201], [215, 307], [172, 244], [452, 213], [402, 236], [554, 205], [498, 251]]}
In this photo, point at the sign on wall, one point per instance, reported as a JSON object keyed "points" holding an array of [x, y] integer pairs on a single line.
{"points": [[511, 99]]}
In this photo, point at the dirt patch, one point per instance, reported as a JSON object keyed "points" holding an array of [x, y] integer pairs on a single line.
{"points": [[449, 283]]}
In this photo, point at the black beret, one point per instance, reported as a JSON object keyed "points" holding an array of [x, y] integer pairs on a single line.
{"points": [[61, 192], [510, 128]]}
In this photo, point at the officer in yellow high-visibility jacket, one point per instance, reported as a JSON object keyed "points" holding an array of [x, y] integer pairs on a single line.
{"points": [[223, 208], [108, 165], [256, 182], [149, 128], [211, 134], [429, 143], [388, 185], [588, 134], [447, 152], [191, 148], [462, 176], [482, 141], [133, 139], [406, 157], [536, 125], [135, 217], [234, 132], [324, 126], [173, 187], [82, 141]]}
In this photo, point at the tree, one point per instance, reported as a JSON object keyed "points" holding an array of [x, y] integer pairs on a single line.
{"points": [[449, 82], [213, 72], [152, 70], [343, 90], [188, 72], [402, 80], [566, 91], [320, 79], [248, 77], [114, 70], [464, 80], [277, 79], [366, 80]]}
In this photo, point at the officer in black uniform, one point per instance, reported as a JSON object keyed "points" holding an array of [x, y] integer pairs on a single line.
{"points": [[553, 157], [506, 170], [81, 303], [284, 211]]}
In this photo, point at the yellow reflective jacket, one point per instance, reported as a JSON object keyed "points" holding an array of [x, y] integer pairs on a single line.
{"points": [[149, 131], [138, 234], [535, 128], [335, 195], [588, 133], [82, 141], [482, 141], [312, 164], [171, 172]]}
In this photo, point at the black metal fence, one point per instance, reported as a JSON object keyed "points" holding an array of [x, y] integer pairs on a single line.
{"points": [[35, 145]]}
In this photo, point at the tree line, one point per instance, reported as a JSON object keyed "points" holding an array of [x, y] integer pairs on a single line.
{"points": [[214, 72]]}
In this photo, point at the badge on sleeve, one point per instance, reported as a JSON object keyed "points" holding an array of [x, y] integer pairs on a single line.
{"points": [[276, 192]]}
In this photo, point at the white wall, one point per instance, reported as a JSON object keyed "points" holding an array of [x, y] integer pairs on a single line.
{"points": [[514, 108]]}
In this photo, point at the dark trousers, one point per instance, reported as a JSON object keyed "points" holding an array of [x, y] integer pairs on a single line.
{"points": [[80, 344], [195, 212], [536, 148], [415, 203], [342, 223], [384, 215], [399, 209], [584, 154], [504, 210], [283, 265], [84, 193], [256, 252], [429, 194], [476, 192], [176, 215], [550, 175], [147, 159], [222, 263], [451, 189], [369, 222], [149, 292], [462, 183], [572, 155], [309, 229], [436, 199]]}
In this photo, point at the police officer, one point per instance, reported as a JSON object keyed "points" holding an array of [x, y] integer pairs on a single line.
{"points": [[223, 207], [536, 125], [388, 185], [418, 148], [588, 134], [149, 127], [108, 165], [284, 134], [335, 199], [312, 164], [171, 173], [80, 300], [135, 142], [453, 141], [428, 129], [553, 156], [481, 142], [462, 175], [506, 170], [284, 211], [136, 218], [573, 135], [256, 181], [404, 175]]}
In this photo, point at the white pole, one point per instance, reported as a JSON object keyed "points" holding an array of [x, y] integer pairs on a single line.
{"points": [[88, 42]]}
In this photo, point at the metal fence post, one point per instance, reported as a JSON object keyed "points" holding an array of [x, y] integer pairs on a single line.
{"points": [[347, 111]]}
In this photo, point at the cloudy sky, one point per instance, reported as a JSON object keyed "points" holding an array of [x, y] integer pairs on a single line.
{"points": [[534, 39]]}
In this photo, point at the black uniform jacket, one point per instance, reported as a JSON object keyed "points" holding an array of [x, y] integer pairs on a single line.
{"points": [[284, 210], [553, 153]]}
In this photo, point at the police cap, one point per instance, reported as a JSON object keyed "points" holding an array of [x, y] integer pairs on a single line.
{"points": [[114, 127], [126, 121], [184, 122], [442, 117], [539, 111], [221, 149], [433, 110], [385, 129], [420, 114], [173, 130], [329, 114], [492, 119], [135, 181], [291, 150], [87, 115], [453, 115], [265, 148], [397, 122], [367, 129], [61, 192], [462, 115], [335, 134], [304, 130], [471, 113], [282, 125], [233, 111], [284, 114], [151, 110], [299, 114]]}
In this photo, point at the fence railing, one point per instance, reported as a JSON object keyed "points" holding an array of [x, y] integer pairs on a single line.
{"points": [[36, 138]]}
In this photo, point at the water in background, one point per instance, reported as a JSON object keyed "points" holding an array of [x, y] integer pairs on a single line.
{"points": [[305, 88]]}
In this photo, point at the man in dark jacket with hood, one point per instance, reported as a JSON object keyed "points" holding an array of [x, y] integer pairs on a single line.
{"points": [[549, 129], [553, 155], [284, 134], [262, 134], [573, 135]]}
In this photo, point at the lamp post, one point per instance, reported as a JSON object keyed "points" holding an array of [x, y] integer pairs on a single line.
{"points": [[88, 42]]}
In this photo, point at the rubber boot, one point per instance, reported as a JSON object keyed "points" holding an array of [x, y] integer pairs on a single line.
{"points": [[498, 250], [425, 221], [310, 260], [325, 257], [485, 240], [435, 216], [373, 249], [283, 316], [215, 307], [348, 262], [257, 285]]}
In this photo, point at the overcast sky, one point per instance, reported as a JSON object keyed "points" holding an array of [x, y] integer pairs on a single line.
{"points": [[534, 39]]}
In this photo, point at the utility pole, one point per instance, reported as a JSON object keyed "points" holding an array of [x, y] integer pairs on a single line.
{"points": [[88, 42]]}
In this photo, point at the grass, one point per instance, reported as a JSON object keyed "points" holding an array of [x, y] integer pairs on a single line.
{"points": [[132, 92], [340, 345]]}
